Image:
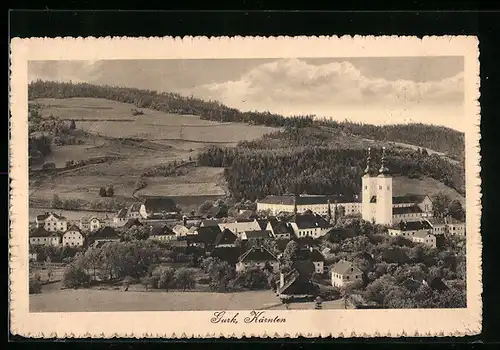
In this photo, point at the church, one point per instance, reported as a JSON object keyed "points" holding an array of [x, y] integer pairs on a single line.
{"points": [[378, 204]]}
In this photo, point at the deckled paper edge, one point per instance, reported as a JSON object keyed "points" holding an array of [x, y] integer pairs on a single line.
{"points": [[20, 319]]}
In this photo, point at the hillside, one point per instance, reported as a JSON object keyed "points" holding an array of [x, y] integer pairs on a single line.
{"points": [[111, 146], [440, 139], [145, 144]]}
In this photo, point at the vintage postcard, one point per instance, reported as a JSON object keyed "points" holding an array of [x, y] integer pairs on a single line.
{"points": [[230, 187]]}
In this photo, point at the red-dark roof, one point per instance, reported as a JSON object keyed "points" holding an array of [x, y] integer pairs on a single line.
{"points": [[415, 209], [40, 232], [305, 221], [414, 225], [313, 255], [280, 227], [225, 237], [226, 253], [258, 234], [105, 232], [258, 254], [343, 267]]}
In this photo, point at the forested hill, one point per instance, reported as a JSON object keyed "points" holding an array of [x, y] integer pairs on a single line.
{"points": [[437, 138], [314, 161]]}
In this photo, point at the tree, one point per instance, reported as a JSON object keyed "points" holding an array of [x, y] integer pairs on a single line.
{"points": [[184, 278], [164, 277], [440, 204], [102, 192], [221, 273], [92, 260], [456, 210], [147, 282], [56, 202], [35, 284], [75, 276], [205, 207], [72, 124], [290, 253], [110, 191], [253, 278]]}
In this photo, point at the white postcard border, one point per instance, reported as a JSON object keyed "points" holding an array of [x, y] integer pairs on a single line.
{"points": [[196, 324]]}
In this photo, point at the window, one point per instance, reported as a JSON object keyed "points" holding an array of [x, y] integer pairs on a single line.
{"points": [[380, 187], [346, 277], [388, 188], [366, 187]]}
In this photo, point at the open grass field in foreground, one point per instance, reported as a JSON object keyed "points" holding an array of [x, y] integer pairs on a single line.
{"points": [[89, 300]]}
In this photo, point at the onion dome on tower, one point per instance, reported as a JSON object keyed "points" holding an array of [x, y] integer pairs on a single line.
{"points": [[383, 168], [368, 161]]}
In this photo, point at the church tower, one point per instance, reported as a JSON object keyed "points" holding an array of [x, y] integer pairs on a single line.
{"points": [[368, 191], [384, 194]]}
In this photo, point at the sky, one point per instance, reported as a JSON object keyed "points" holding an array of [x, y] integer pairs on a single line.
{"points": [[383, 90]]}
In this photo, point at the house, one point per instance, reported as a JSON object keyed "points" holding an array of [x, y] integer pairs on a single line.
{"points": [[52, 222], [158, 207], [256, 235], [91, 223], [297, 282], [131, 223], [454, 227], [280, 229], [181, 230], [409, 228], [209, 222], [225, 238], [239, 227], [425, 238], [206, 236], [309, 224], [322, 205], [121, 218], [134, 211], [313, 255], [344, 272], [162, 233], [41, 236], [73, 237], [410, 213], [438, 226], [257, 257], [104, 234]]}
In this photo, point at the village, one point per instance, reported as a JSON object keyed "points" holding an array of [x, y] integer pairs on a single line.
{"points": [[291, 244]]}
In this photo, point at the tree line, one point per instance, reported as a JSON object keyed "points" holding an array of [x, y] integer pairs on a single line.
{"points": [[441, 139]]}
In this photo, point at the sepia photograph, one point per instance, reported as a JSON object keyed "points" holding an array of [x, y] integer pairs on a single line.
{"points": [[247, 184], [250, 187]]}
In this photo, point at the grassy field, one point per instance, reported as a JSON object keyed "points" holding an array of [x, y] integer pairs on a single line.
{"points": [[90, 300], [165, 137]]}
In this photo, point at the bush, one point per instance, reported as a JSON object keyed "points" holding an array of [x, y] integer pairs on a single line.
{"points": [[184, 278], [252, 278], [163, 278], [102, 192], [35, 284], [56, 202], [75, 276], [110, 191]]}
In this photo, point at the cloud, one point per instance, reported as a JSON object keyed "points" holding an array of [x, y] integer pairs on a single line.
{"points": [[75, 71], [293, 81]]}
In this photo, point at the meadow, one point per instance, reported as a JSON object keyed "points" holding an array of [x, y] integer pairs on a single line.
{"points": [[92, 300], [104, 128]]}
